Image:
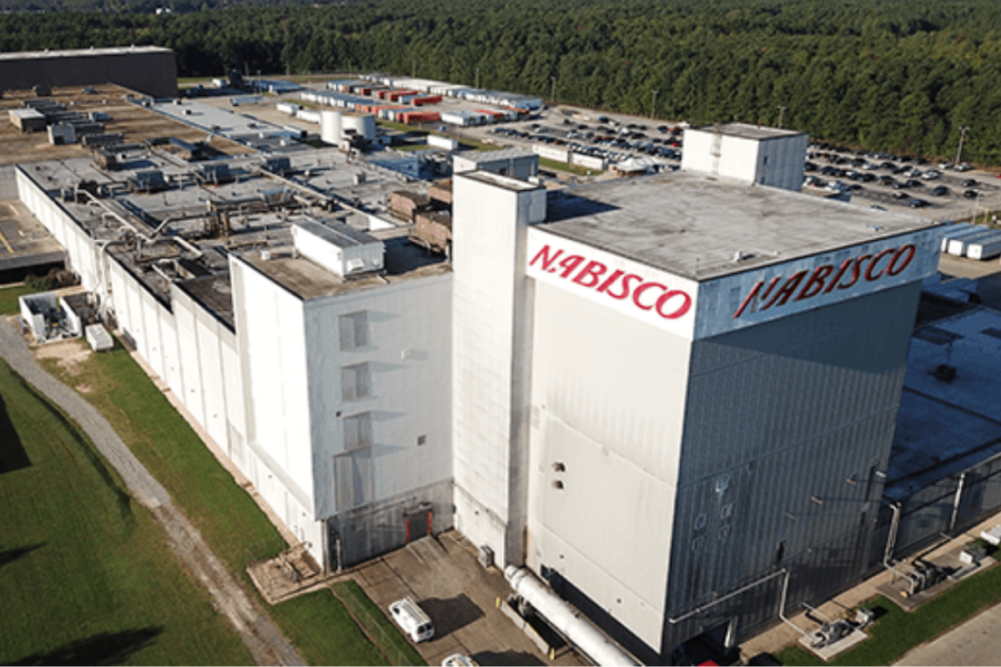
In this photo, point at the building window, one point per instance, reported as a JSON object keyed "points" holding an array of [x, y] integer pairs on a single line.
{"points": [[354, 330], [357, 431], [355, 382]]}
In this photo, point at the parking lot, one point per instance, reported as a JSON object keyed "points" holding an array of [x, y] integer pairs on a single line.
{"points": [[443, 576], [942, 190]]}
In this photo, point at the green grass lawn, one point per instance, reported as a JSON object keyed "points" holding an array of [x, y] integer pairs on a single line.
{"points": [[896, 631], [9, 296], [85, 574], [229, 520], [378, 626], [323, 631], [565, 166]]}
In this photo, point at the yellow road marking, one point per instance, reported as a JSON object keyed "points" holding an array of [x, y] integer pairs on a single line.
{"points": [[9, 249]]}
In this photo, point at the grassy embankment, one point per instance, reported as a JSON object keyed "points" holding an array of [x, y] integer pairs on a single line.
{"points": [[229, 520], [86, 575]]}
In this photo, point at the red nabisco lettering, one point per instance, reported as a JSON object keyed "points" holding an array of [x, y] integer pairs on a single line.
{"points": [[824, 279], [645, 295]]}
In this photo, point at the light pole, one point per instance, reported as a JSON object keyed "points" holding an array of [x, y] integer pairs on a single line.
{"points": [[553, 95], [782, 111], [962, 136], [653, 104]]}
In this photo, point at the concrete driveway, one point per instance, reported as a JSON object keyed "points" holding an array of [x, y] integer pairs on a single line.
{"points": [[444, 577]]}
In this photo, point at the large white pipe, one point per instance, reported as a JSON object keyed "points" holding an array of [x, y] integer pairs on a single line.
{"points": [[566, 620]]}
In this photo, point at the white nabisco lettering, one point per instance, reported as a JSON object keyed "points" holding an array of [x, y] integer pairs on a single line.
{"points": [[645, 295]]}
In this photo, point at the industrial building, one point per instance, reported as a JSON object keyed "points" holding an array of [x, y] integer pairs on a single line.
{"points": [[147, 69], [672, 399], [304, 333]]}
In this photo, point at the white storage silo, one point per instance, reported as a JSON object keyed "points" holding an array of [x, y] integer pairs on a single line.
{"points": [[330, 126], [362, 124]]}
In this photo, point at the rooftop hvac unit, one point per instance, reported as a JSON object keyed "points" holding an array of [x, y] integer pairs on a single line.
{"points": [[486, 556]]}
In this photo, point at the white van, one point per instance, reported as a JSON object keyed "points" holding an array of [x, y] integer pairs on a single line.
{"points": [[412, 620]]}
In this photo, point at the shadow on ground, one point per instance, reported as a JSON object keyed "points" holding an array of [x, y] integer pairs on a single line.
{"points": [[506, 658], [11, 555], [102, 649], [451, 614], [12, 454]]}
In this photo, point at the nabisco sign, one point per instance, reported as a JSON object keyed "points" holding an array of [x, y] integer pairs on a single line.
{"points": [[656, 297], [775, 291], [699, 310]]}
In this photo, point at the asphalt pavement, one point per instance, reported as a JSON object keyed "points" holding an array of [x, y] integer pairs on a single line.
{"points": [[976, 642]]}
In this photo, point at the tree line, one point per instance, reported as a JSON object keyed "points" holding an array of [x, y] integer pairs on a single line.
{"points": [[881, 74]]}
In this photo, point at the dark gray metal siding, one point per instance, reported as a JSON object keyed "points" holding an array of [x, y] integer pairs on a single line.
{"points": [[153, 73], [927, 514], [786, 426]]}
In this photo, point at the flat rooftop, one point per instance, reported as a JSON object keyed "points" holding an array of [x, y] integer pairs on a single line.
{"points": [[693, 225], [183, 235], [134, 122], [747, 131], [24, 241], [308, 280], [944, 425], [77, 53]]}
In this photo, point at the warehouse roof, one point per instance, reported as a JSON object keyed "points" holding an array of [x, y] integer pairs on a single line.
{"points": [[694, 225], [76, 53], [949, 419]]}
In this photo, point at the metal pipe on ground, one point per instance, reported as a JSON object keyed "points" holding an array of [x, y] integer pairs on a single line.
{"points": [[567, 621]]}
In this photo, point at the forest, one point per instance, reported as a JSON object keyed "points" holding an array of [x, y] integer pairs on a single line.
{"points": [[900, 75]]}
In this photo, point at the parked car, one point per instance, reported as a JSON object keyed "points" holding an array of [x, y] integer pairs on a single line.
{"points": [[917, 203], [969, 182], [931, 174], [940, 191], [412, 619], [962, 166], [971, 194]]}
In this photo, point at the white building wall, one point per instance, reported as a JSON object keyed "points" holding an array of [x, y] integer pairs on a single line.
{"points": [[613, 421], [80, 250], [153, 343], [776, 161], [492, 358], [187, 338], [408, 357], [269, 322]]}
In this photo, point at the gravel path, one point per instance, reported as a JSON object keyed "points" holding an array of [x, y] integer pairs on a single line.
{"points": [[264, 640]]}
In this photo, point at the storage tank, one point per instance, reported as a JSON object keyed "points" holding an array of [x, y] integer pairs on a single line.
{"points": [[362, 124], [330, 126]]}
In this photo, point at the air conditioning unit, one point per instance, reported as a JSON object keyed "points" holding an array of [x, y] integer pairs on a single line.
{"points": [[486, 556]]}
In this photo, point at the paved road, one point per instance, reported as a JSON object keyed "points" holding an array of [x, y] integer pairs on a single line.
{"points": [[976, 642], [264, 640]]}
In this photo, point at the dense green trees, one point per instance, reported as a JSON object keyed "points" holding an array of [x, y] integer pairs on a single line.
{"points": [[884, 74]]}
